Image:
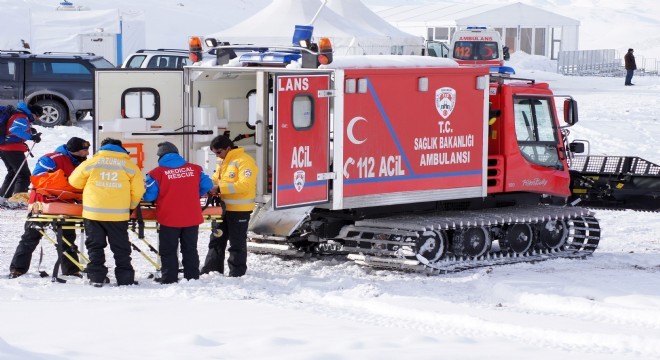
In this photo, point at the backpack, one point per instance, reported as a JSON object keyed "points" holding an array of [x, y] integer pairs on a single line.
{"points": [[5, 113]]}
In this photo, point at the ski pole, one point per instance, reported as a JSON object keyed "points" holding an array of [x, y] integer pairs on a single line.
{"points": [[19, 171]]}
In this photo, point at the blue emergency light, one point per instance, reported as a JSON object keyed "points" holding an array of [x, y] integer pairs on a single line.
{"points": [[502, 70], [302, 35], [269, 57]]}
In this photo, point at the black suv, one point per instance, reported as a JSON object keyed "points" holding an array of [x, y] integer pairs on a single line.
{"points": [[63, 84]]}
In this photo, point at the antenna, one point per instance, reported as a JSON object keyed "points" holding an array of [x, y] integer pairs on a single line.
{"points": [[318, 12]]}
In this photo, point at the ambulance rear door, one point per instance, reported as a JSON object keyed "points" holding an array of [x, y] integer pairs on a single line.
{"points": [[301, 167], [141, 108]]}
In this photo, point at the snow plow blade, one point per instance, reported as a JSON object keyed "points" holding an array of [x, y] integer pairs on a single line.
{"points": [[615, 182]]}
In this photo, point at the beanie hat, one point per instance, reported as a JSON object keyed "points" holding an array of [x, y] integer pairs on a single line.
{"points": [[76, 144], [629, 50], [36, 110], [166, 147]]}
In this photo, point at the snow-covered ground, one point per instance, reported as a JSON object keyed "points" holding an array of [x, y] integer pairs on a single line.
{"points": [[604, 307]]}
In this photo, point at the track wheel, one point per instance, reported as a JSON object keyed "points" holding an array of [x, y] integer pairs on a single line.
{"points": [[472, 242], [518, 238], [431, 246], [553, 234]]}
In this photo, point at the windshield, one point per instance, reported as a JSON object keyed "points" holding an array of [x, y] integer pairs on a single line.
{"points": [[536, 131], [476, 50], [102, 63]]}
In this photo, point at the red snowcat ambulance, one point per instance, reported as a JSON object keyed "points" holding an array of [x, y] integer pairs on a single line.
{"points": [[403, 162]]}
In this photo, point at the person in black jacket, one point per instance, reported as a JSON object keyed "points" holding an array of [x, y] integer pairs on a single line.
{"points": [[629, 60]]}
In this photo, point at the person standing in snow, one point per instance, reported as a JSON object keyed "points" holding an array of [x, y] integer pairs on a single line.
{"points": [[12, 149], [51, 172], [631, 66], [177, 185], [236, 182], [112, 187]]}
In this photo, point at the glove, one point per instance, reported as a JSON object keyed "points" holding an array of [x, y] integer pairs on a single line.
{"points": [[33, 131], [36, 138]]}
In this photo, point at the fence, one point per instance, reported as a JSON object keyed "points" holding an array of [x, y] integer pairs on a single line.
{"points": [[603, 62]]}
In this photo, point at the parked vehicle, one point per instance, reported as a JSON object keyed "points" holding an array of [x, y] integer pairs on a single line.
{"points": [[479, 46], [61, 83], [157, 59], [396, 162]]}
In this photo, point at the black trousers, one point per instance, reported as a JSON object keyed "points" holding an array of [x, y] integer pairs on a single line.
{"points": [[13, 161], [99, 235], [169, 239], [28, 243], [233, 229]]}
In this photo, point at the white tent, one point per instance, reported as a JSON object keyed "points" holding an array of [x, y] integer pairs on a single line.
{"points": [[357, 13], [527, 28], [356, 31]]}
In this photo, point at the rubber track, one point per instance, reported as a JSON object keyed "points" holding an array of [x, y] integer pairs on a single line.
{"points": [[583, 238]]}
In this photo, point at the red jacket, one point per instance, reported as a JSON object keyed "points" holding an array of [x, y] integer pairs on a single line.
{"points": [[16, 142], [62, 161], [177, 204], [53, 186]]}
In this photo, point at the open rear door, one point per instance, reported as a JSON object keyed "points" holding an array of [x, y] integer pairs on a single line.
{"points": [[141, 108], [301, 140]]}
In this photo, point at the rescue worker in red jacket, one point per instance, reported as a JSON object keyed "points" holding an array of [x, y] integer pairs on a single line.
{"points": [[12, 150], [112, 186], [177, 185], [51, 172], [236, 182]]}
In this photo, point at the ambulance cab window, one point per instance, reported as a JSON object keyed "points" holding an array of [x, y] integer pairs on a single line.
{"points": [[536, 131], [463, 50], [488, 50], [303, 112], [140, 103], [476, 50]]}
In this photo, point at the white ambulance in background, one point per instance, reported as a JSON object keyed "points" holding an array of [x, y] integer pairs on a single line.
{"points": [[478, 45]]}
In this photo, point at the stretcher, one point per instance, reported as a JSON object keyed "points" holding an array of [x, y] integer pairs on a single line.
{"points": [[59, 216]]}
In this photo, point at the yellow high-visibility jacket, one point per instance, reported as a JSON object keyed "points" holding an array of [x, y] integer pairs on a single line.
{"points": [[112, 184], [236, 178]]}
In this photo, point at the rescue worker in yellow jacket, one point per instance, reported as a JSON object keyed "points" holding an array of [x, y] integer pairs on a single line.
{"points": [[235, 179], [112, 186]]}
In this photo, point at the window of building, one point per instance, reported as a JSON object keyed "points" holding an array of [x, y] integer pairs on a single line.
{"points": [[526, 38], [441, 34], [539, 41]]}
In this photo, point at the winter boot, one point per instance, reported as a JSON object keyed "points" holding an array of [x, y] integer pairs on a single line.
{"points": [[15, 274]]}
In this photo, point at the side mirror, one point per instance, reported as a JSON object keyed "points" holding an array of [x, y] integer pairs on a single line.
{"points": [[505, 53], [570, 112], [576, 147]]}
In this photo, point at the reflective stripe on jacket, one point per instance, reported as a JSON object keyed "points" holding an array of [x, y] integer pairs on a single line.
{"points": [[112, 184], [236, 177]]}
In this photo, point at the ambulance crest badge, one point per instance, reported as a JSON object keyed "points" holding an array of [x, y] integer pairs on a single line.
{"points": [[299, 180], [445, 100]]}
